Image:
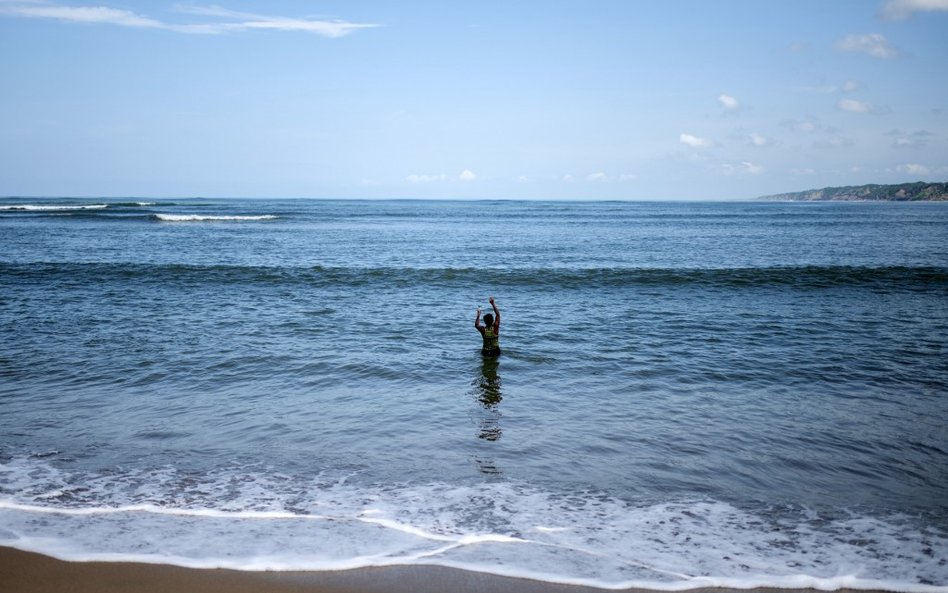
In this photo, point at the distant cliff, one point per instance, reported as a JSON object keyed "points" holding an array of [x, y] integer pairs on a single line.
{"points": [[904, 192]]}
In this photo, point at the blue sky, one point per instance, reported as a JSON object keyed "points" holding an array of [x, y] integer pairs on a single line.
{"points": [[707, 99]]}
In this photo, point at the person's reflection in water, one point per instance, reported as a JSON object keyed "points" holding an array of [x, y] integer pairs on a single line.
{"points": [[487, 389]]}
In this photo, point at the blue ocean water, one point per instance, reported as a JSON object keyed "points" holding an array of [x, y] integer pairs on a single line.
{"points": [[690, 394]]}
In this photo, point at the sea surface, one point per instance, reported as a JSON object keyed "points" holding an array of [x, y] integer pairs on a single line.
{"points": [[690, 393]]}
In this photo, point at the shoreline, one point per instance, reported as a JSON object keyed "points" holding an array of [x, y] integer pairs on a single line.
{"points": [[30, 572]]}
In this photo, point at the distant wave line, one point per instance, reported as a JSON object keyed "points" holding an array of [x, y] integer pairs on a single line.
{"points": [[95, 206], [210, 218], [896, 278], [52, 207]]}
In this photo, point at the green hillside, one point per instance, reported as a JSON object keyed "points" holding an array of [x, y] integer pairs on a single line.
{"points": [[903, 192]]}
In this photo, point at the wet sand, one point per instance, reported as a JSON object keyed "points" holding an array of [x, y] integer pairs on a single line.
{"points": [[26, 572]]}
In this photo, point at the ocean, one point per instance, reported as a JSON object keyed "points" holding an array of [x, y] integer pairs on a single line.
{"points": [[690, 394]]}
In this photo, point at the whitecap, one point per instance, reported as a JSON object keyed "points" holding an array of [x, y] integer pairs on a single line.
{"points": [[52, 207], [209, 218]]}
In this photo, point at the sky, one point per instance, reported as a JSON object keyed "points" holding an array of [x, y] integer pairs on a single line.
{"points": [[560, 99]]}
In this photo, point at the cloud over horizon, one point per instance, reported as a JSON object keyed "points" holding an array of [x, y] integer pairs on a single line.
{"points": [[742, 168], [465, 175], [913, 169]]}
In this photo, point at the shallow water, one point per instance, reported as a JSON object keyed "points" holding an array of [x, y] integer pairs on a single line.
{"points": [[690, 393]]}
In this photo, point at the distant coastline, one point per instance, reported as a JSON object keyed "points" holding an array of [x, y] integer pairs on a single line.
{"points": [[902, 192]]}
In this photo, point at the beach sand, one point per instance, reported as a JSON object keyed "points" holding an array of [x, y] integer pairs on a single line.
{"points": [[26, 572]]}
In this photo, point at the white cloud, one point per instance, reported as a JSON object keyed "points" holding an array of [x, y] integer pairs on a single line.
{"points": [[568, 178], [414, 178], [902, 9], [847, 87], [808, 125], [523, 179], [465, 175], [744, 167], [854, 106], [906, 139], [78, 14], [752, 169], [244, 21], [694, 141], [913, 169], [874, 44], [834, 142], [233, 21], [851, 85], [603, 177], [728, 102], [758, 140]]}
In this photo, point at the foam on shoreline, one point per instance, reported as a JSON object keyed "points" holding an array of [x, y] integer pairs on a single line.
{"points": [[678, 547], [245, 518]]}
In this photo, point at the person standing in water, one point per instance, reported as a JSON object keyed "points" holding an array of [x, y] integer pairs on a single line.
{"points": [[490, 330]]}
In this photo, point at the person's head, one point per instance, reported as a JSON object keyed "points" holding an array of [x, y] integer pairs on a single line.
{"points": [[489, 320]]}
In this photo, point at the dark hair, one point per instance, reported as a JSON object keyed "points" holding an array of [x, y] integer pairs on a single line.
{"points": [[489, 320]]}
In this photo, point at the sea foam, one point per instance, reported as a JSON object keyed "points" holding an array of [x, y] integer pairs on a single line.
{"points": [[256, 520]]}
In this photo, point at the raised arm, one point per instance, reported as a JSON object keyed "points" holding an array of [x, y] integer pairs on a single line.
{"points": [[496, 314], [477, 321]]}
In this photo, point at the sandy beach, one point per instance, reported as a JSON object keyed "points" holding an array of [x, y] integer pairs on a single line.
{"points": [[27, 572]]}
